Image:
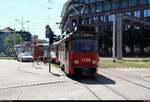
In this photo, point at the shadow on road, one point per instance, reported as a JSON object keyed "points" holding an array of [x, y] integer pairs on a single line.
{"points": [[98, 79], [58, 75], [104, 80]]}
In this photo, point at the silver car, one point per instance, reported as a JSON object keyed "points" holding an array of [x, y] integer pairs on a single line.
{"points": [[25, 57]]}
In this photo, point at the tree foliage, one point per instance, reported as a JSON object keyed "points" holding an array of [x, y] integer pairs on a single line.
{"points": [[9, 43], [139, 38]]}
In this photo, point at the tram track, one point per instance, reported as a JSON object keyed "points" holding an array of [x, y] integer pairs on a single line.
{"points": [[114, 91], [31, 85], [89, 89], [135, 76], [87, 86], [124, 97], [107, 87], [135, 83]]}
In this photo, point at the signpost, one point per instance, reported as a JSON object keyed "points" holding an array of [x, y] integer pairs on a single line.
{"points": [[114, 38], [50, 36], [48, 29]]}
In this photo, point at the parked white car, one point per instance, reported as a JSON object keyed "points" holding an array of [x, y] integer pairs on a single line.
{"points": [[25, 57]]}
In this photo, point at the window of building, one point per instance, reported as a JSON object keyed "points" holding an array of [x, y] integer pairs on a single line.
{"points": [[83, 22], [132, 3], [144, 1], [79, 9], [128, 13], [93, 9], [89, 1], [99, 19], [82, 0], [95, 18], [102, 18], [87, 20], [107, 7], [99, 8], [86, 1], [124, 3], [90, 20], [86, 10], [97, 29], [116, 5], [137, 13], [110, 18], [106, 18], [147, 13], [92, 1]]}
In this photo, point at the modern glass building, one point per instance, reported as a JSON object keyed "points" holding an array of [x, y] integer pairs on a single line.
{"points": [[100, 14]]}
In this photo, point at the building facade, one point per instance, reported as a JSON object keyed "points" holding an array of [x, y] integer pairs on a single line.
{"points": [[100, 14], [26, 36]]}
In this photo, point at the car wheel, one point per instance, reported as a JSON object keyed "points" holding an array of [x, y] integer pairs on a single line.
{"points": [[19, 60], [22, 60]]}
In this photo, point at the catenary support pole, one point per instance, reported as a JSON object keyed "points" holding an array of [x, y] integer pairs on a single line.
{"points": [[49, 55], [114, 38]]}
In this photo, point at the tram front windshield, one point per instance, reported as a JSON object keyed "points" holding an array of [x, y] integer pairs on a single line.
{"points": [[84, 45]]}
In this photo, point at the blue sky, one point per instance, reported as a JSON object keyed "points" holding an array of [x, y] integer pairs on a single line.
{"points": [[35, 11]]}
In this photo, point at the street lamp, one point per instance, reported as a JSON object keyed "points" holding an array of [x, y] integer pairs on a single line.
{"points": [[28, 25], [14, 38], [48, 8], [14, 35], [58, 23], [22, 23]]}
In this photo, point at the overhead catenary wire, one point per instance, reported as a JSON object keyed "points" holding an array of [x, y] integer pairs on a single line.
{"points": [[36, 3], [44, 6]]}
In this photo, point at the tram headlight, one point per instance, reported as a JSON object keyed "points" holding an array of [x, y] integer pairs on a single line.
{"points": [[93, 62], [76, 62]]}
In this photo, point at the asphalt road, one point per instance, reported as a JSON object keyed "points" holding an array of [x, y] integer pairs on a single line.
{"points": [[109, 84]]}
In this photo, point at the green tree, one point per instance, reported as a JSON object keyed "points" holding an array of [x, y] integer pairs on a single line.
{"points": [[143, 39], [130, 39], [9, 43], [107, 40]]}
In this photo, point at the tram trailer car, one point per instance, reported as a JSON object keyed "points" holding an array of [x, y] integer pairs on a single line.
{"points": [[45, 52], [41, 52], [55, 52], [78, 53], [37, 52]]}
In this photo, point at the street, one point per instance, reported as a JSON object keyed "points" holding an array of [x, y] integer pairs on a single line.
{"points": [[21, 81]]}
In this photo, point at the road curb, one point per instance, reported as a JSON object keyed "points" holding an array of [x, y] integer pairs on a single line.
{"points": [[26, 71], [42, 71]]}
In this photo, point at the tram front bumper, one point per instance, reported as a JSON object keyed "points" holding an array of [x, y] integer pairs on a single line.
{"points": [[85, 70]]}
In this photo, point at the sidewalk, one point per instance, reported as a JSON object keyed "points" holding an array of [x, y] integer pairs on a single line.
{"points": [[43, 69], [126, 58]]}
